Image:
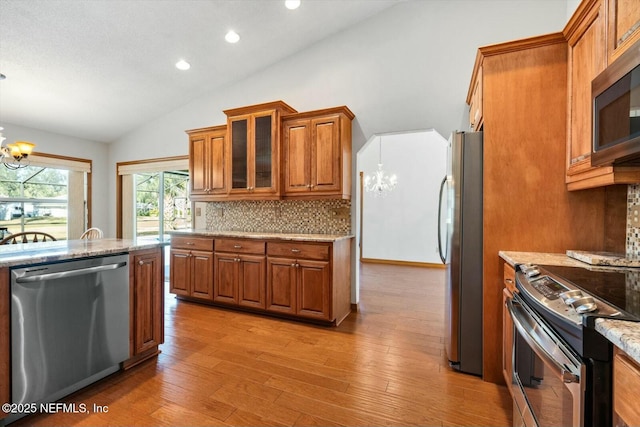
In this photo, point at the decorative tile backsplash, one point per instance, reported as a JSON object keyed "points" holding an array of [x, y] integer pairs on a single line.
{"points": [[633, 221], [281, 216]]}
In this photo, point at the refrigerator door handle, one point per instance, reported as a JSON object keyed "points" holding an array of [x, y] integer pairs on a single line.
{"points": [[443, 256]]}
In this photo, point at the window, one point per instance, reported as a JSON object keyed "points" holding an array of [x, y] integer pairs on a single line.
{"points": [[34, 199], [49, 195]]}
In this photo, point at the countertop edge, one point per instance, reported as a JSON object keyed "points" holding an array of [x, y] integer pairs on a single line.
{"points": [[23, 254], [623, 334], [264, 235]]}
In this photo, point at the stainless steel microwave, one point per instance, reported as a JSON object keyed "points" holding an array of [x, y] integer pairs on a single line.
{"points": [[616, 111]]}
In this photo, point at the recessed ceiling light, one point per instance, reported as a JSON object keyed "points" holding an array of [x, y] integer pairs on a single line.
{"points": [[183, 65], [232, 37], [292, 4]]}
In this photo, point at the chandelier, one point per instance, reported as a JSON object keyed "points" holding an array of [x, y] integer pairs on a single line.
{"points": [[15, 156], [380, 183]]}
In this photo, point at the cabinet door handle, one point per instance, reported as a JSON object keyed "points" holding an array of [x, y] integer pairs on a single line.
{"points": [[237, 246], [295, 251], [190, 243], [508, 281]]}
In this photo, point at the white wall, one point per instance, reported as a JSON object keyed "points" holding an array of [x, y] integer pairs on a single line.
{"points": [[61, 145], [403, 226]]}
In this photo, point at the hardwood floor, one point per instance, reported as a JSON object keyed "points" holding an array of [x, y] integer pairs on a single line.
{"points": [[383, 366]]}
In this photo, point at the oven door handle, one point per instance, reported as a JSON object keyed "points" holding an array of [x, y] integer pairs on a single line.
{"points": [[522, 321]]}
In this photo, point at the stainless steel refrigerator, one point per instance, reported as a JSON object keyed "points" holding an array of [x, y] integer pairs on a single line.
{"points": [[460, 244]]}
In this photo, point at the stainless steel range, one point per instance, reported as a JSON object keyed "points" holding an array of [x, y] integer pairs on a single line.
{"points": [[562, 366]]}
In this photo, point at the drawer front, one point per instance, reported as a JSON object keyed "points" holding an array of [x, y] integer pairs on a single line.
{"points": [[626, 383], [240, 246], [195, 243], [509, 278], [298, 250]]}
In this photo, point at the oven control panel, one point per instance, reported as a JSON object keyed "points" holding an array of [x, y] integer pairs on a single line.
{"points": [[560, 296]]}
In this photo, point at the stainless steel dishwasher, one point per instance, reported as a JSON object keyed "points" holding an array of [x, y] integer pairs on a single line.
{"points": [[69, 326]]}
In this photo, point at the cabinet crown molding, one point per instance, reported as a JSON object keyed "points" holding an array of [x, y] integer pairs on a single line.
{"points": [[281, 106]]}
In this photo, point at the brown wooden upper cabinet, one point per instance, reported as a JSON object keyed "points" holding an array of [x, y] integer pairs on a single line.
{"points": [[586, 34], [207, 157], [474, 99], [317, 154], [253, 166], [623, 26]]}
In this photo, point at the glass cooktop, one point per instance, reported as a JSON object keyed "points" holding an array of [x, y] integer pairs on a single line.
{"points": [[620, 288]]}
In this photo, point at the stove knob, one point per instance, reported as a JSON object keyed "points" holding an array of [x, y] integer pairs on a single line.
{"points": [[570, 296], [587, 308], [584, 305], [532, 272]]}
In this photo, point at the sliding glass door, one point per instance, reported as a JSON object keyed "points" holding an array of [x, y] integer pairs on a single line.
{"points": [[161, 203]]}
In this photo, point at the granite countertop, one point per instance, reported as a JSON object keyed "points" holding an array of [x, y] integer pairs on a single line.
{"points": [[264, 235], [623, 334], [35, 253]]}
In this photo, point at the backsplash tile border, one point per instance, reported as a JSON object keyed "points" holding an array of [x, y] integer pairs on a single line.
{"points": [[280, 216], [633, 221]]}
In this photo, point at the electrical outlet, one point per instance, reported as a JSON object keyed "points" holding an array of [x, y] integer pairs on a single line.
{"points": [[341, 213]]}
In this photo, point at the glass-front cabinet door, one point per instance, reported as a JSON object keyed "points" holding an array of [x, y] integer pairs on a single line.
{"points": [[253, 154], [255, 149]]}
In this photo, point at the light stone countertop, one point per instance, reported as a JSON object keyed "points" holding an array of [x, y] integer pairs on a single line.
{"points": [[264, 235], [36, 253], [623, 334]]}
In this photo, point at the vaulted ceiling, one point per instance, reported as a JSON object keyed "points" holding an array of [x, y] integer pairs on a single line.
{"points": [[97, 69]]}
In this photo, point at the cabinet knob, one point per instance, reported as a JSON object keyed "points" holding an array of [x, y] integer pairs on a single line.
{"points": [[293, 265], [140, 262], [308, 185]]}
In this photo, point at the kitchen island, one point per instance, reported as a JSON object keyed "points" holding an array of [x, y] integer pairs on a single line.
{"points": [[120, 282]]}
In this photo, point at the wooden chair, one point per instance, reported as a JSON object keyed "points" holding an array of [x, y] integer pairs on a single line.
{"points": [[92, 233], [27, 237]]}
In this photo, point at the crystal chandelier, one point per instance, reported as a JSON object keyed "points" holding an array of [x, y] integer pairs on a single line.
{"points": [[15, 156], [380, 184]]}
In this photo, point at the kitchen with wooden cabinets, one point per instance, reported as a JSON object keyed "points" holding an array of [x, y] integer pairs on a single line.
{"points": [[277, 161], [533, 100]]}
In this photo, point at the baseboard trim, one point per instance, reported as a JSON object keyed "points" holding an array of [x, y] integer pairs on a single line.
{"points": [[407, 263]]}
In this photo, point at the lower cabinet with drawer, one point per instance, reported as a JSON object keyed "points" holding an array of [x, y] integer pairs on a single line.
{"points": [[191, 261], [309, 280], [304, 280], [239, 266]]}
